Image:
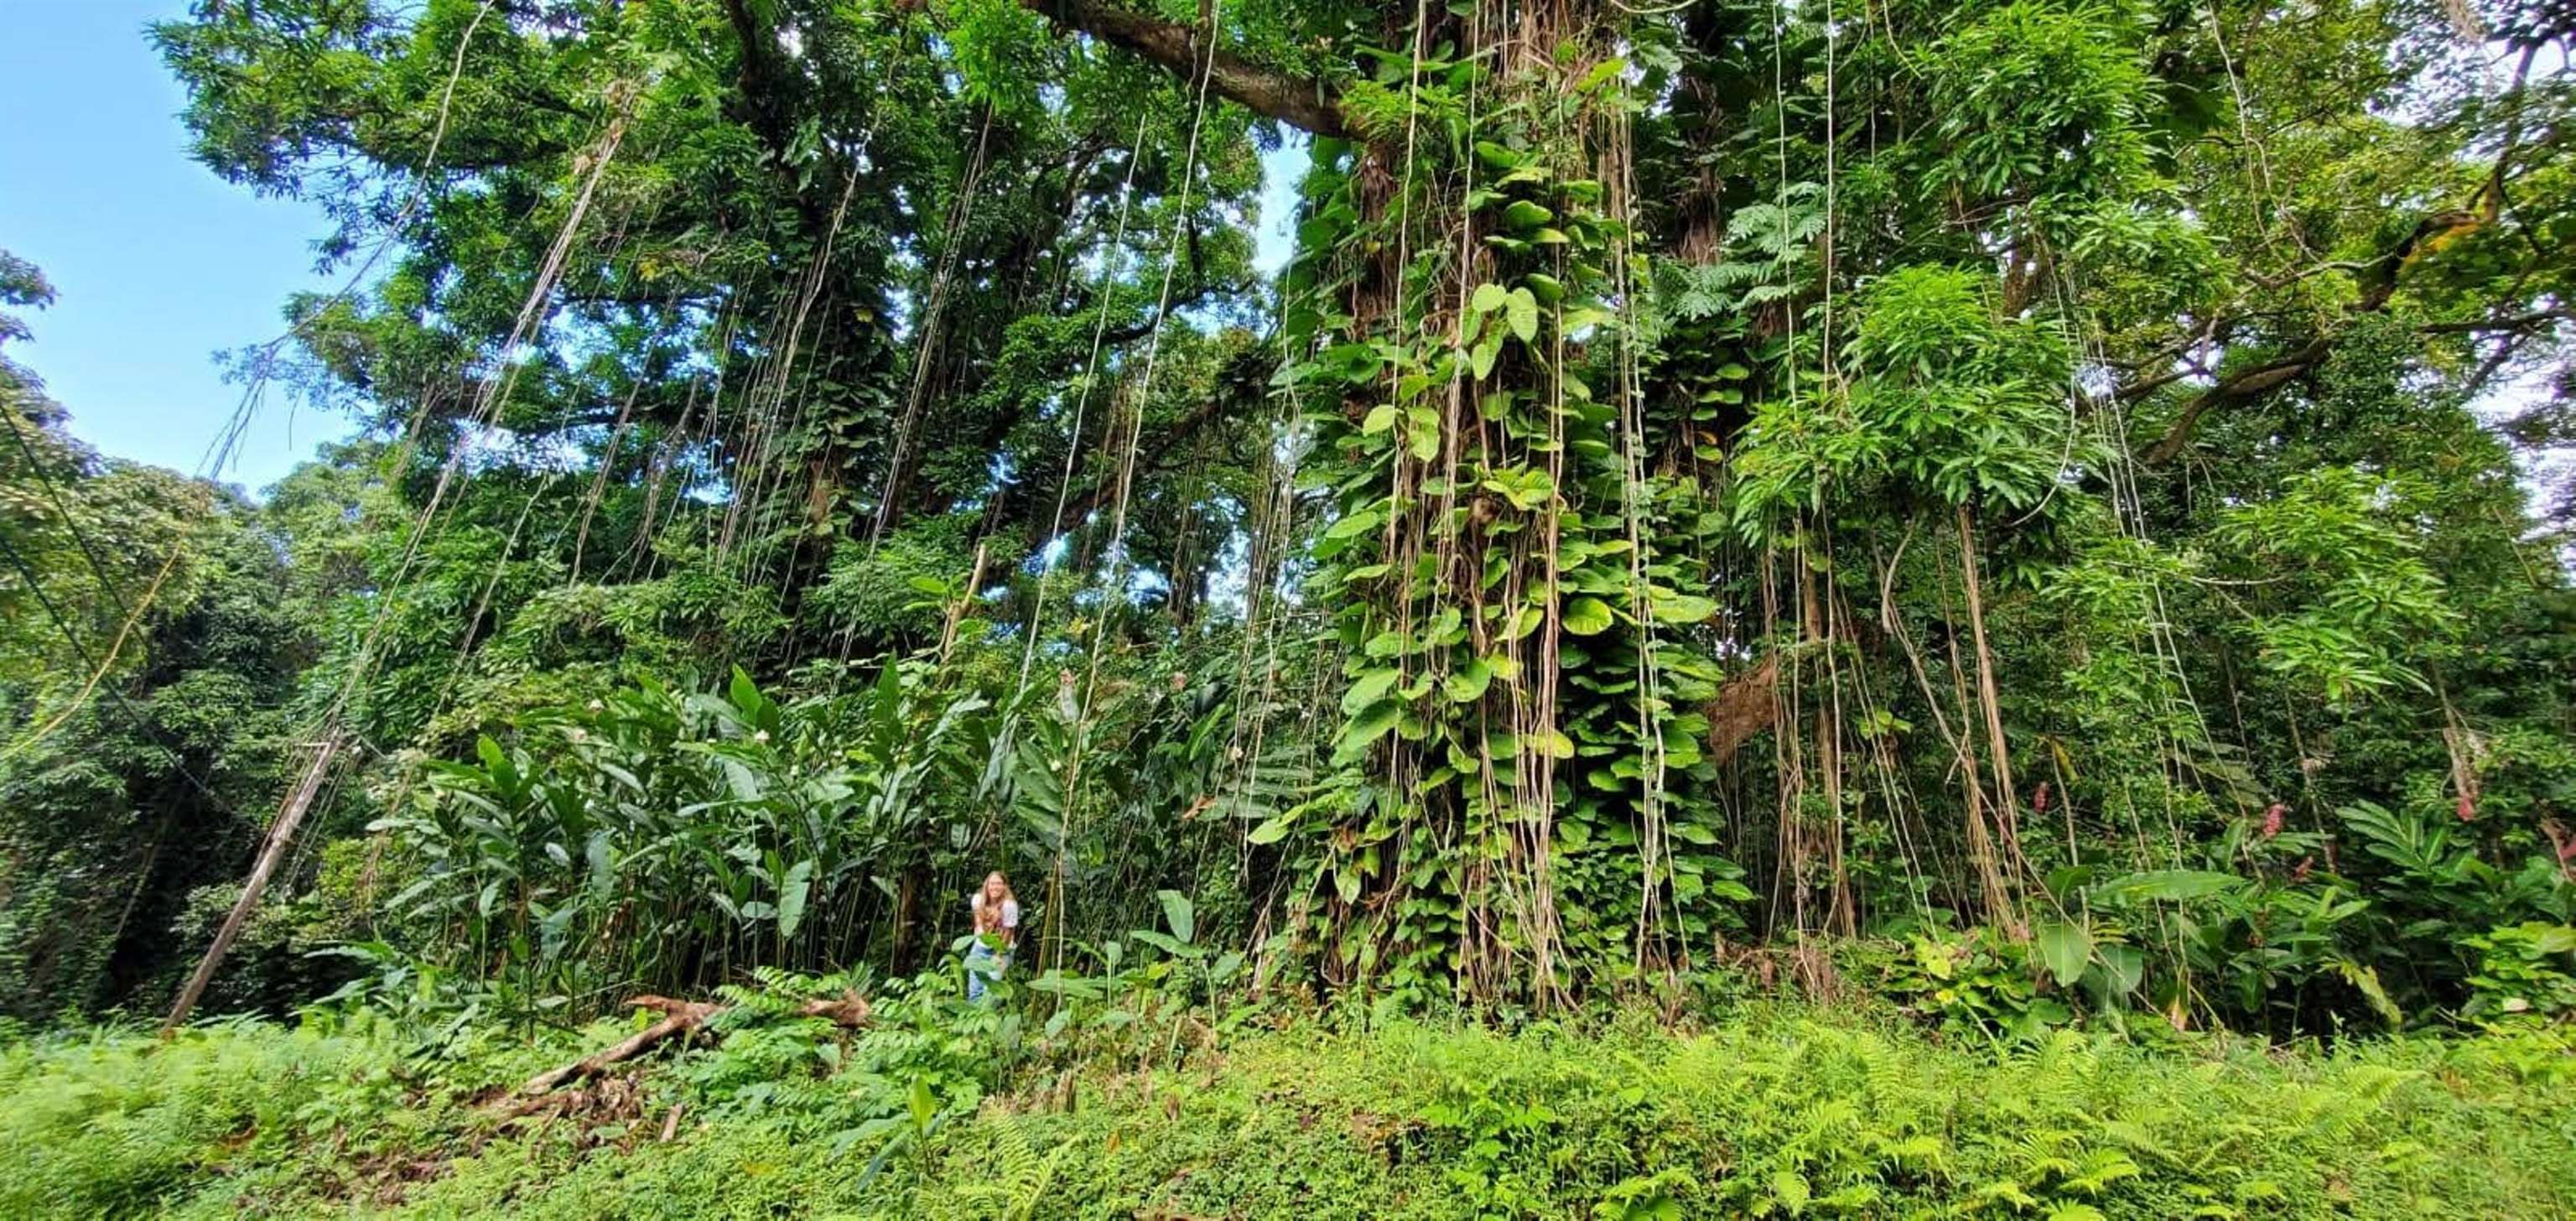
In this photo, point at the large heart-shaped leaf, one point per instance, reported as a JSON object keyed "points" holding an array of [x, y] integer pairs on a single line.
{"points": [[1586, 616]]}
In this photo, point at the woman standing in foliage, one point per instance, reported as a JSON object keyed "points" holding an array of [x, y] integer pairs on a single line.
{"points": [[997, 929]]}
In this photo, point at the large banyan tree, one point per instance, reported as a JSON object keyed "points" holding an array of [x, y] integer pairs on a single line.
{"points": [[1709, 473]]}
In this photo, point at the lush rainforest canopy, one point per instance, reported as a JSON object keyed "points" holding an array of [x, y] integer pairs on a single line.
{"points": [[2040, 509]]}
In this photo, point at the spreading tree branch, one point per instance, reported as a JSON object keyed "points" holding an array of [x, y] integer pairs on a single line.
{"points": [[1297, 102], [2517, 322], [2377, 280], [2242, 384]]}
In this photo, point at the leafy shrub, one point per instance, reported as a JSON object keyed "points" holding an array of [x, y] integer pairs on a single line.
{"points": [[1967, 984], [2527, 969], [932, 1113], [106, 1124]]}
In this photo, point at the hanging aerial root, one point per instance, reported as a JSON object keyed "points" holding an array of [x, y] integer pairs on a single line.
{"points": [[682, 1018]]}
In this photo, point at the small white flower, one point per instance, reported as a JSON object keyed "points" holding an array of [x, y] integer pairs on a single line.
{"points": [[580, 735], [761, 736], [596, 706]]}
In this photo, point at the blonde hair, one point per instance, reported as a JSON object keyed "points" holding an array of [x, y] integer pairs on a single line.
{"points": [[988, 911]]}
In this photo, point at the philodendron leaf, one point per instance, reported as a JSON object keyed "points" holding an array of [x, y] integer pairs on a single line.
{"points": [[1684, 608], [1357, 523], [1521, 308], [1586, 616], [1369, 689], [1549, 742], [1366, 728], [1469, 683]]}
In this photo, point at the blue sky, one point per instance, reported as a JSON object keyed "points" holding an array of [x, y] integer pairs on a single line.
{"points": [[157, 263]]}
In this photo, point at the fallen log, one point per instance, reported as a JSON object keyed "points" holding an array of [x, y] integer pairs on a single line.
{"points": [[680, 1018]]}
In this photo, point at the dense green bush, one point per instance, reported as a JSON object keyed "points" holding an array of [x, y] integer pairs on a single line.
{"points": [[943, 1110], [114, 1124]]}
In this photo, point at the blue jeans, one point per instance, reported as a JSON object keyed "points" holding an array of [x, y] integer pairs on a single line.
{"points": [[982, 966]]}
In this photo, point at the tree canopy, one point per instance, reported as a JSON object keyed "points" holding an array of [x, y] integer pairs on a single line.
{"points": [[2059, 484]]}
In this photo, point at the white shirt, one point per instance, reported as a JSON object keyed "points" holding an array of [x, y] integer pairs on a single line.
{"points": [[1010, 909]]}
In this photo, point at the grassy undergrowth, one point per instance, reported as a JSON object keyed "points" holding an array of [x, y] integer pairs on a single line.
{"points": [[1776, 1111]]}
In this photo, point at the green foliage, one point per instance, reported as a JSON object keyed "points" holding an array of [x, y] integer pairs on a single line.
{"points": [[1973, 986], [1775, 1112], [2043, 100], [663, 837], [1947, 404], [2525, 971], [2333, 545], [147, 672], [21, 283], [897, 595], [1518, 594], [109, 1124], [2012, 478]]}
